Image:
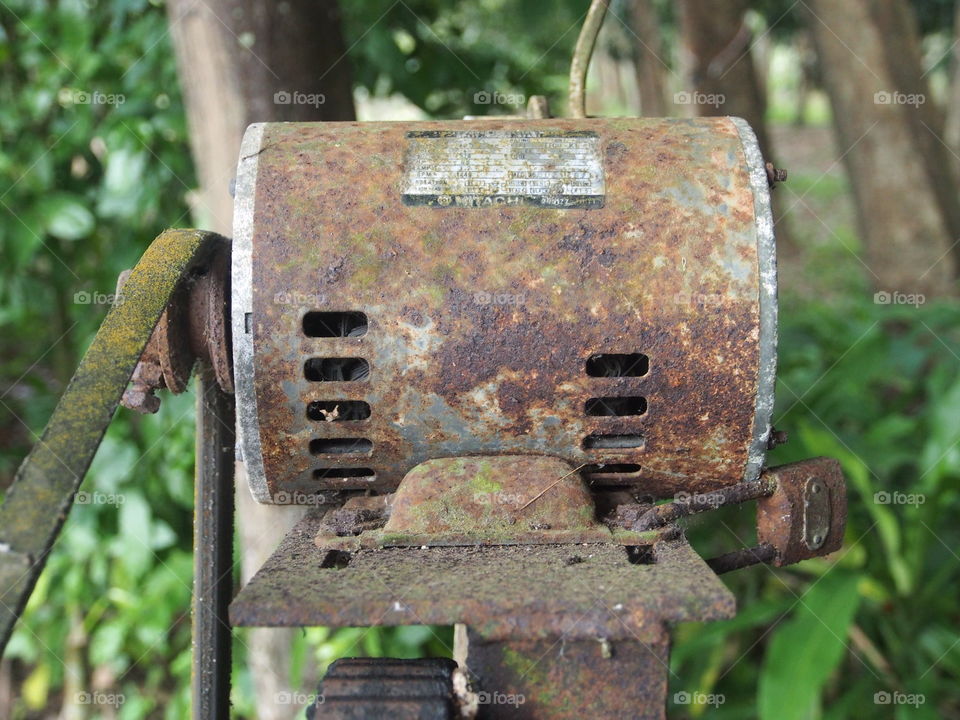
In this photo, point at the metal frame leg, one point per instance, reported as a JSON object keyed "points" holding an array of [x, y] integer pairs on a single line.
{"points": [[212, 551]]}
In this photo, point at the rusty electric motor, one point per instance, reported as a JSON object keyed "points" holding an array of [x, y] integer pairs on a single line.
{"points": [[601, 291]]}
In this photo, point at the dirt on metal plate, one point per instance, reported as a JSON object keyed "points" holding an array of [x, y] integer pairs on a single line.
{"points": [[579, 590]]}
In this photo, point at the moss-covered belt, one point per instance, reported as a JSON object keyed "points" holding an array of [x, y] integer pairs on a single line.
{"points": [[46, 483]]}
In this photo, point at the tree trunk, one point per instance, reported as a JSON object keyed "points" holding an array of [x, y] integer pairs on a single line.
{"points": [[951, 132], [725, 81], [648, 58], [875, 85], [234, 57], [718, 43], [898, 26]]}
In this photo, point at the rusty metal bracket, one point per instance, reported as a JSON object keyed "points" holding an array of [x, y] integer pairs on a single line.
{"points": [[577, 590], [194, 326], [46, 482], [496, 500], [803, 515], [806, 514]]}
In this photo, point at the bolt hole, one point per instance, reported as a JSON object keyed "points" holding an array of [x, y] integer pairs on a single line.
{"points": [[640, 555], [341, 446], [335, 560], [613, 442], [338, 410], [343, 473], [615, 406]]}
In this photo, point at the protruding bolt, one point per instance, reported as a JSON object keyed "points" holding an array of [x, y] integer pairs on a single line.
{"points": [[777, 438], [775, 175]]}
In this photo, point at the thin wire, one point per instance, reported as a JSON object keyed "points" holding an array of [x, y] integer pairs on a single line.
{"points": [[577, 97]]}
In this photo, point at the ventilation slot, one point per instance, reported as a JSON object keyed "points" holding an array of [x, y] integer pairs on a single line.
{"points": [[611, 469], [336, 369], [613, 442], [343, 473], [334, 324], [341, 446], [614, 365], [338, 410], [611, 474], [615, 406]]}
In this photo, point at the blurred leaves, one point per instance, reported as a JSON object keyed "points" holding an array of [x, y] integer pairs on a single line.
{"points": [[875, 386], [92, 168], [805, 650]]}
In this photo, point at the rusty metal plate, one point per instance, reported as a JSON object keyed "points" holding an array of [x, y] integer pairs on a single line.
{"points": [[481, 168], [371, 335], [570, 679], [586, 590]]}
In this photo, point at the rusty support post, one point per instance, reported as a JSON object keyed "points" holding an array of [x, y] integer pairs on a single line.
{"points": [[213, 550], [561, 678]]}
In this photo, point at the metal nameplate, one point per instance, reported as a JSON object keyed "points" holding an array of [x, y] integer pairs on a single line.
{"points": [[490, 168]]}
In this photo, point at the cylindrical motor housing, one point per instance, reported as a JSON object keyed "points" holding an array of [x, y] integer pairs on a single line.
{"points": [[601, 290]]}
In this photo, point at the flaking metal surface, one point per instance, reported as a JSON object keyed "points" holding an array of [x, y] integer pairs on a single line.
{"points": [[481, 318], [578, 590]]}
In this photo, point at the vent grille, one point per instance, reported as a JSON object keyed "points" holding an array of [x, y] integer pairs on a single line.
{"points": [[614, 447], [333, 452]]}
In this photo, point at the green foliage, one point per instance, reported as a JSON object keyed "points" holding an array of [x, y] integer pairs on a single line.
{"points": [[433, 53], [94, 165], [806, 649], [878, 387]]}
